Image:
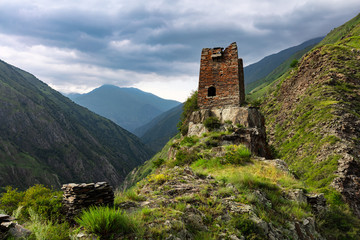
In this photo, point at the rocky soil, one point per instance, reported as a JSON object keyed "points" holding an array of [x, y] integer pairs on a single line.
{"points": [[196, 202]]}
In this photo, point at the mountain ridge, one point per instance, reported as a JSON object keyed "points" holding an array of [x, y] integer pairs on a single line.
{"points": [[46, 138], [130, 108], [266, 65]]}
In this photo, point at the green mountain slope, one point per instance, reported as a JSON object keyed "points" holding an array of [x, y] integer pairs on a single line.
{"points": [[313, 115], [265, 66], [158, 131], [46, 138], [195, 188], [260, 87], [130, 108]]}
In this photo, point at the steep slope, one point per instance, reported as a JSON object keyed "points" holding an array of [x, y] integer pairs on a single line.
{"points": [[313, 116], [130, 108], [201, 187], [158, 131], [46, 138], [261, 86], [266, 65]]}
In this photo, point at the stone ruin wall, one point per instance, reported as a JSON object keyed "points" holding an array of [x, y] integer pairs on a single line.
{"points": [[222, 70], [77, 197]]}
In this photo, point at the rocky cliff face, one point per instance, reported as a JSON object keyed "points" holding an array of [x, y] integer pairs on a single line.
{"points": [[249, 122], [46, 138], [313, 118]]}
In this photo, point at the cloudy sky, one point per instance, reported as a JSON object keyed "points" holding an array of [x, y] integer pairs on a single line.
{"points": [[154, 45]]}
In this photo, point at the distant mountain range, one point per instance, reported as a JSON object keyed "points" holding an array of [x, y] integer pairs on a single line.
{"points": [[130, 108], [46, 138], [157, 132], [261, 69]]}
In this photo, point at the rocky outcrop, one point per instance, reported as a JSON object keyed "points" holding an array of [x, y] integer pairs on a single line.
{"points": [[77, 197], [185, 185], [248, 123]]}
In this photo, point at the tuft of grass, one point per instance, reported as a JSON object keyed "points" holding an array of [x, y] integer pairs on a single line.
{"points": [[237, 154], [189, 141], [129, 194], [44, 230], [105, 221]]}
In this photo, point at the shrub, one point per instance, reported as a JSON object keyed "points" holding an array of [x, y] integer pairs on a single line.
{"points": [[237, 154], [10, 200], [43, 201], [184, 157], [189, 107], [294, 63], [158, 162], [211, 123], [158, 178], [106, 221]]}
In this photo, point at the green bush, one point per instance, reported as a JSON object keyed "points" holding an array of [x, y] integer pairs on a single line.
{"points": [[184, 157], [43, 201], [190, 105], [294, 63], [212, 123], [10, 200], [237, 154], [106, 222], [158, 162]]}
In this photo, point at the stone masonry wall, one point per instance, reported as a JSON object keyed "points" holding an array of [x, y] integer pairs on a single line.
{"points": [[77, 197], [222, 70]]}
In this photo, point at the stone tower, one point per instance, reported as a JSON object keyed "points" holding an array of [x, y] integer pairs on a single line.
{"points": [[221, 81]]}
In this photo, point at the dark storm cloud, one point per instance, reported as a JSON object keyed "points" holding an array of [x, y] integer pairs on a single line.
{"points": [[161, 37]]}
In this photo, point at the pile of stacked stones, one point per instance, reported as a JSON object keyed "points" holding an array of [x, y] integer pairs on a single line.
{"points": [[77, 197]]}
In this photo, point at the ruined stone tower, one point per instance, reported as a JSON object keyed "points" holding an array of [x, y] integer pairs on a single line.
{"points": [[221, 81]]}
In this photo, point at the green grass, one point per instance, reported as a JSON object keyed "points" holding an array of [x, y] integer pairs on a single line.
{"points": [[43, 230], [237, 154], [128, 195], [107, 221]]}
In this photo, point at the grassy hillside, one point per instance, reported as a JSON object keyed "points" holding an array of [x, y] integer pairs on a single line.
{"points": [[350, 28], [261, 87], [46, 138], [313, 115], [265, 66]]}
